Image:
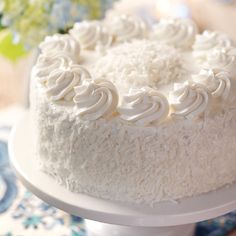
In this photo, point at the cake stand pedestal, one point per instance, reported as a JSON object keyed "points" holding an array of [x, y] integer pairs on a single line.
{"points": [[119, 219]]}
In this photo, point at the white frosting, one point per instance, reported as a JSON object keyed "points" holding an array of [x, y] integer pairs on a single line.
{"points": [[52, 45], [210, 39], [125, 28], [91, 34], [188, 100], [143, 107], [141, 165], [221, 57], [140, 63], [207, 41], [60, 83], [134, 152], [217, 82], [177, 32], [46, 64], [95, 99]]}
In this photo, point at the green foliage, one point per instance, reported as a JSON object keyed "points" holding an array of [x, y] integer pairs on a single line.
{"points": [[31, 20], [8, 49]]}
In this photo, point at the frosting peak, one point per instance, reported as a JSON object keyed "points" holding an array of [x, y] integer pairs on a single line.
{"points": [[177, 32], [213, 49], [210, 39], [144, 106], [46, 64], [91, 34], [217, 82], [58, 43], [60, 83], [95, 99], [188, 100], [221, 57], [125, 28]]}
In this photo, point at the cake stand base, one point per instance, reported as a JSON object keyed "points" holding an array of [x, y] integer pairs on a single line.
{"points": [[119, 219], [95, 228]]}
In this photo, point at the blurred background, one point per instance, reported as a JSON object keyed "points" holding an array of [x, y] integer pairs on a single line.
{"points": [[23, 24]]}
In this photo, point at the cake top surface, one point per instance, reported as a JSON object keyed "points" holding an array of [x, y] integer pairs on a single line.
{"points": [[141, 63], [138, 74]]}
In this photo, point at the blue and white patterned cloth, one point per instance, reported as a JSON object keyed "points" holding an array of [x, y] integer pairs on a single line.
{"points": [[23, 214]]}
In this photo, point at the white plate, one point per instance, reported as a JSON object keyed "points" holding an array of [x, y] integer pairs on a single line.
{"points": [[187, 211]]}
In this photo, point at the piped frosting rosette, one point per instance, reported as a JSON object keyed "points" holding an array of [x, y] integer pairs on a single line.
{"points": [[58, 43], [95, 99], [46, 64], [210, 39], [61, 82], [176, 32], [217, 82], [188, 100], [91, 35], [214, 50], [125, 28], [221, 57], [143, 107]]}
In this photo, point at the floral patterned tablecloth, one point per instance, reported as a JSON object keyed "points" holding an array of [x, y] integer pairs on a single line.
{"points": [[23, 214]]}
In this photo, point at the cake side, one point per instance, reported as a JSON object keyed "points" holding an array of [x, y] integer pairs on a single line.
{"points": [[114, 161]]}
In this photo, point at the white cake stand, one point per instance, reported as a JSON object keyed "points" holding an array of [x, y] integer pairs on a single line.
{"points": [[165, 219]]}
